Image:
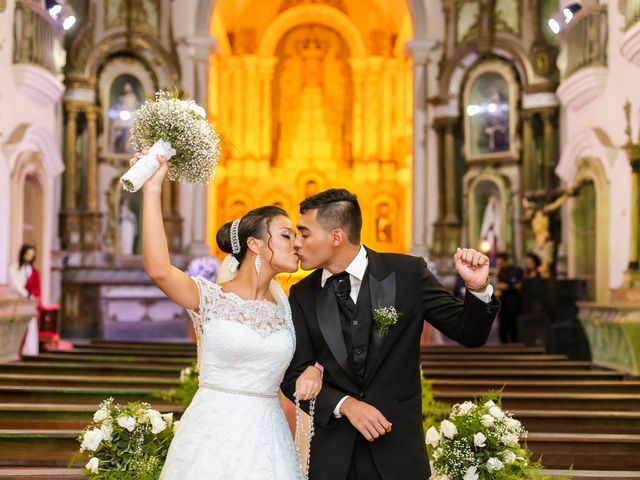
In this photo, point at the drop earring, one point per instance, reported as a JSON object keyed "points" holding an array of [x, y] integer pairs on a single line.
{"points": [[258, 264]]}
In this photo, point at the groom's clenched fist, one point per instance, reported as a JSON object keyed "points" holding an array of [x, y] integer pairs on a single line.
{"points": [[472, 266], [365, 418]]}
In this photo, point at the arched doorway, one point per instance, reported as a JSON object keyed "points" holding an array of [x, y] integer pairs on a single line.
{"points": [[314, 93], [32, 215]]}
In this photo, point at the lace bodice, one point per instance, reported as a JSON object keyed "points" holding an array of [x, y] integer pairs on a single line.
{"points": [[242, 344]]}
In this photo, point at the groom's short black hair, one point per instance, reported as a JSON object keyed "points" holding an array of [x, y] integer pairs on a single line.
{"points": [[337, 208]]}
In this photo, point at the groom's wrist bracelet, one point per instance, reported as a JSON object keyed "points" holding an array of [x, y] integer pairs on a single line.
{"points": [[478, 288]]}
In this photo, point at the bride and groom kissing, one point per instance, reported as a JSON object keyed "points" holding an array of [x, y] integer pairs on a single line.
{"points": [[348, 336]]}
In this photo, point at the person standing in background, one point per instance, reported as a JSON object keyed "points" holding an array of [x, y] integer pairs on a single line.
{"points": [[508, 290], [25, 279]]}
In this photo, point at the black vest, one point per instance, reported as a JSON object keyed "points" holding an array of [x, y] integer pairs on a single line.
{"points": [[360, 337]]}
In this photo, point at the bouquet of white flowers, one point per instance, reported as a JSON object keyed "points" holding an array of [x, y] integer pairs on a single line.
{"points": [[126, 442], [480, 441], [178, 130]]}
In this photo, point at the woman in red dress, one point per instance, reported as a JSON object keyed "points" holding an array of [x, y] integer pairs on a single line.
{"points": [[25, 278]]}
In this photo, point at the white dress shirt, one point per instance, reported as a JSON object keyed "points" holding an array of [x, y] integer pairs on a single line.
{"points": [[356, 271]]}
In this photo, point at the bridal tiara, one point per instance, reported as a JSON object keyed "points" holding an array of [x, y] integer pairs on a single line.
{"points": [[235, 238]]}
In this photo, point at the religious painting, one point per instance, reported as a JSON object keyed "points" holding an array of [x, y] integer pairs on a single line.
{"points": [[507, 14], [125, 97], [468, 19], [124, 85], [490, 116]]}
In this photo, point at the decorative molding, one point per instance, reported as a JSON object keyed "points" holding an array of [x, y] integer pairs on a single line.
{"points": [[532, 101], [583, 87], [38, 84], [312, 14], [83, 95], [630, 46], [588, 143]]}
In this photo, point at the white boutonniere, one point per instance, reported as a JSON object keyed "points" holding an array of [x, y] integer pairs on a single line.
{"points": [[385, 318]]}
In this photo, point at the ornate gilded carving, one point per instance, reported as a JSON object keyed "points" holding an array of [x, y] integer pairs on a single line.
{"points": [[381, 42], [244, 41], [339, 4], [82, 43]]}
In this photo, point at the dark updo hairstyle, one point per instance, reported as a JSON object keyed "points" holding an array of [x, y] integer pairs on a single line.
{"points": [[254, 223]]}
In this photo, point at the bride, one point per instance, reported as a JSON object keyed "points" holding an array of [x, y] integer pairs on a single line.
{"points": [[234, 427]]}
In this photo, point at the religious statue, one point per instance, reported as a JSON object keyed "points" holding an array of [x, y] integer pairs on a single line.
{"points": [[383, 223], [538, 217], [128, 225], [491, 227]]}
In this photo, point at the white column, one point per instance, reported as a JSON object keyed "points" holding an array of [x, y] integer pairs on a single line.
{"points": [[419, 50], [196, 83]]}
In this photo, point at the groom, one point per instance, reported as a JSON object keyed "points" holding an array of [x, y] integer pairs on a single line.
{"points": [[368, 421]]}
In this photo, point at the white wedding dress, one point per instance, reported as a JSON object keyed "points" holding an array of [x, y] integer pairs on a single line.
{"points": [[235, 428]]}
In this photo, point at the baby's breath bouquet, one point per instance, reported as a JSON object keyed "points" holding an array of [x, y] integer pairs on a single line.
{"points": [[126, 442], [178, 130], [480, 441]]}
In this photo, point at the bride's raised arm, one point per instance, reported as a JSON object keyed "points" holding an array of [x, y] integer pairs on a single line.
{"points": [[176, 284]]}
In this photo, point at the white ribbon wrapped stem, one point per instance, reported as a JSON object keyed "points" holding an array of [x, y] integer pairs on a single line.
{"points": [[146, 166]]}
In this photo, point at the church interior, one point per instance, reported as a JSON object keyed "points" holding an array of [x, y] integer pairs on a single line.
{"points": [[507, 126]]}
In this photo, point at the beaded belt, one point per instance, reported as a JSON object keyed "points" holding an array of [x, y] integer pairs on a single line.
{"points": [[210, 386]]}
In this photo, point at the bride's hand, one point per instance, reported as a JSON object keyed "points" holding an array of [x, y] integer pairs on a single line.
{"points": [[154, 184], [309, 383]]}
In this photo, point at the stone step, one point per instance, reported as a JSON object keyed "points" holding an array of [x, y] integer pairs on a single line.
{"points": [[91, 350], [15, 379], [553, 401], [513, 349], [56, 416], [97, 369], [509, 374], [591, 474], [73, 395], [89, 359], [37, 447], [492, 357], [132, 346], [586, 451], [524, 365], [563, 386], [43, 473], [573, 421]]}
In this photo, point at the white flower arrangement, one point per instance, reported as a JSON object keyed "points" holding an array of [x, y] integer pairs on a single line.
{"points": [[479, 441], [126, 442], [176, 129]]}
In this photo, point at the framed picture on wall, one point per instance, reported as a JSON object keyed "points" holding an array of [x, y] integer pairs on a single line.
{"points": [[125, 97], [490, 116], [124, 86]]}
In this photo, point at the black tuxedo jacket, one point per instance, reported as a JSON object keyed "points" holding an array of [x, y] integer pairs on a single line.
{"points": [[392, 382]]}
